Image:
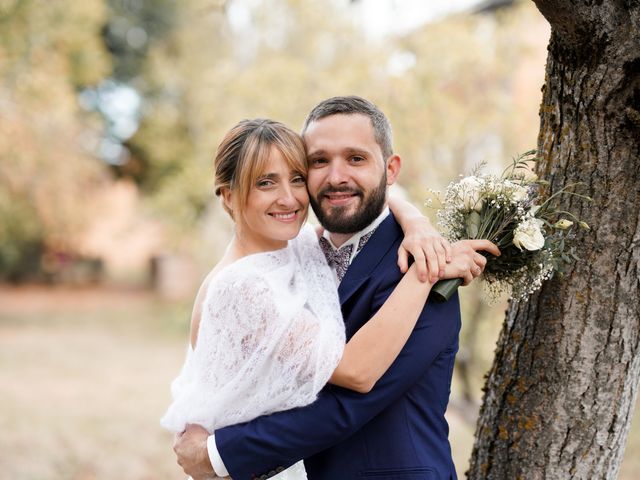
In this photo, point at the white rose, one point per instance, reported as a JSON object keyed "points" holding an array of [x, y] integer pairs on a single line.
{"points": [[528, 234], [471, 194], [515, 191]]}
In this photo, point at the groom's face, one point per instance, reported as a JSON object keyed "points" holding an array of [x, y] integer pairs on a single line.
{"points": [[347, 178]]}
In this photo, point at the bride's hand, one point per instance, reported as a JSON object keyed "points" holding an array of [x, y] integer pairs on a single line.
{"points": [[424, 243], [190, 447], [430, 250]]}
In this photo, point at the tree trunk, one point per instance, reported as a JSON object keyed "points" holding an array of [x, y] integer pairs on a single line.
{"points": [[560, 395]]}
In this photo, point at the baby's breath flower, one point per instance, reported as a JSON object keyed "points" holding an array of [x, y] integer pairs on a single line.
{"points": [[509, 211]]}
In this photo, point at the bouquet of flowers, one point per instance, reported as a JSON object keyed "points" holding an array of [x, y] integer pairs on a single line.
{"points": [[533, 235]]}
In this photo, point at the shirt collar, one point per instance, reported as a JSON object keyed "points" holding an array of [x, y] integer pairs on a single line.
{"points": [[355, 239]]}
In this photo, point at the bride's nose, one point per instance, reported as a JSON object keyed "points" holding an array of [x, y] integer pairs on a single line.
{"points": [[286, 198]]}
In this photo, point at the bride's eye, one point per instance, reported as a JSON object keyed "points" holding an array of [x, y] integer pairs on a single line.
{"points": [[298, 179], [265, 182]]}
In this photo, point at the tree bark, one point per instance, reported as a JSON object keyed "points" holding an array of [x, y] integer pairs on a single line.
{"points": [[560, 395]]}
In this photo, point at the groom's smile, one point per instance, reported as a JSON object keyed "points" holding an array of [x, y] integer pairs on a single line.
{"points": [[347, 177], [340, 198]]}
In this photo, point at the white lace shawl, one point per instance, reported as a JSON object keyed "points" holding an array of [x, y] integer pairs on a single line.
{"points": [[270, 336]]}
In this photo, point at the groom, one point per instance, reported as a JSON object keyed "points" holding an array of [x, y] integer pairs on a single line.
{"points": [[398, 429]]}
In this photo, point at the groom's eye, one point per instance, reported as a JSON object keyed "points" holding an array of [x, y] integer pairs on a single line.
{"points": [[318, 161]]}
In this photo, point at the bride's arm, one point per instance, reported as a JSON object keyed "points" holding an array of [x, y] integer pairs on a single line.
{"points": [[422, 241], [373, 348]]}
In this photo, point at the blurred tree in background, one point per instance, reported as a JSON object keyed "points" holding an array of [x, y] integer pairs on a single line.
{"points": [[213, 71], [132, 30], [46, 164], [144, 90], [450, 88]]}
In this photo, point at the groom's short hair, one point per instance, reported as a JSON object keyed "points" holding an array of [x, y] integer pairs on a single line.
{"points": [[350, 105]]}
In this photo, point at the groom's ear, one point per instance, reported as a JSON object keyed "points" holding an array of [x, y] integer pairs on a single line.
{"points": [[394, 163]]}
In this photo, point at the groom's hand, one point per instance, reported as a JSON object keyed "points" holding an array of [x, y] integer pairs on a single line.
{"points": [[191, 449]]}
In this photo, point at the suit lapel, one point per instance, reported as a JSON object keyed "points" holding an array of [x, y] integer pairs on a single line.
{"points": [[369, 257]]}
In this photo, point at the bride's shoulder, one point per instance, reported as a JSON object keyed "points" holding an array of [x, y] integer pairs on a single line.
{"points": [[246, 275]]}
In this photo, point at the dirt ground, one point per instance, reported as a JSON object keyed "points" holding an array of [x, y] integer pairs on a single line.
{"points": [[85, 377]]}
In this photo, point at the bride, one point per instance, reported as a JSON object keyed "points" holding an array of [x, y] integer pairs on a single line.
{"points": [[267, 332]]}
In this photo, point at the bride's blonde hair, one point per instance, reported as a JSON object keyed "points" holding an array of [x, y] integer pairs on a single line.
{"points": [[243, 154]]}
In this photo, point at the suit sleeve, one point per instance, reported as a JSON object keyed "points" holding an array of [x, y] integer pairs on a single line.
{"points": [[283, 438]]}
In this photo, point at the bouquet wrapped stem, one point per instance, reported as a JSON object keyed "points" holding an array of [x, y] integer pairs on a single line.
{"points": [[443, 290]]}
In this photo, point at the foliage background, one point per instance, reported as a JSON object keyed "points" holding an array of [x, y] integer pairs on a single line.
{"points": [[110, 112]]}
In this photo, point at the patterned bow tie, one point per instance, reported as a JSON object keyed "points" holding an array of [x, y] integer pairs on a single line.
{"points": [[340, 259]]}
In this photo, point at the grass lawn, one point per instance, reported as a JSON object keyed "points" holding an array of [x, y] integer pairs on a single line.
{"points": [[85, 377]]}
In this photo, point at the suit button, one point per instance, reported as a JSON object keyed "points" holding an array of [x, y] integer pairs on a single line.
{"points": [[280, 469], [272, 473]]}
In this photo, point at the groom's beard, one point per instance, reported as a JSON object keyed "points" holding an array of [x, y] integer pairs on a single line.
{"points": [[338, 220]]}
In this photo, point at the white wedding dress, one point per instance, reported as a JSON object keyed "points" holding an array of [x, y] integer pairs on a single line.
{"points": [[270, 336]]}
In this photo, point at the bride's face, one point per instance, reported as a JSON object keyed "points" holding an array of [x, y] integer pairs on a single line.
{"points": [[276, 206]]}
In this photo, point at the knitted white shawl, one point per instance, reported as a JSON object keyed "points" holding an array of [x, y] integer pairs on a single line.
{"points": [[270, 336]]}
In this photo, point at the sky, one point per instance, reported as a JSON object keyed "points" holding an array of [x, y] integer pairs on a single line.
{"points": [[379, 18], [389, 17]]}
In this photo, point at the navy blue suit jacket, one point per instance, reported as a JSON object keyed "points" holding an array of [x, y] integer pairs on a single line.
{"points": [[396, 431]]}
